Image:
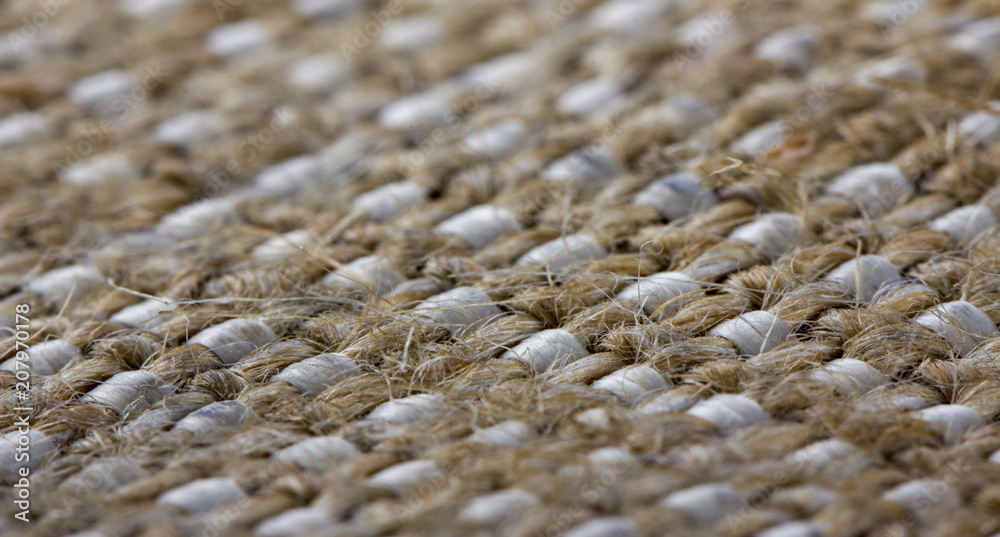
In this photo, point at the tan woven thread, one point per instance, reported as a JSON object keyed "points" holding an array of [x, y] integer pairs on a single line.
{"points": [[874, 415]]}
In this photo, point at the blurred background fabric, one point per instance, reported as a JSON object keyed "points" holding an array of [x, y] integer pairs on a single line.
{"points": [[499, 267]]}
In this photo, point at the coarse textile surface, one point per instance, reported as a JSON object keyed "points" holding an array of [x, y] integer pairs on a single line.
{"points": [[500, 267]]}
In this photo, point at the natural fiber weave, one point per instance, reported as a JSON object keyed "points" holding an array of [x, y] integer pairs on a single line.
{"points": [[529, 268]]}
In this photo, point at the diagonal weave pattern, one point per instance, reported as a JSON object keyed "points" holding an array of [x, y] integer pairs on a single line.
{"points": [[531, 268]]}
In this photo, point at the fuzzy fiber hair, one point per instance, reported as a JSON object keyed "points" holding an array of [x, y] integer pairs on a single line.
{"points": [[524, 268]]}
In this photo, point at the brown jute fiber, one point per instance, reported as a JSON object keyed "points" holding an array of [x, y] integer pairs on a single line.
{"points": [[499, 267]]}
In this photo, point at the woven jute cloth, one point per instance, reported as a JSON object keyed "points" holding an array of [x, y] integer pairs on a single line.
{"points": [[495, 267]]}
